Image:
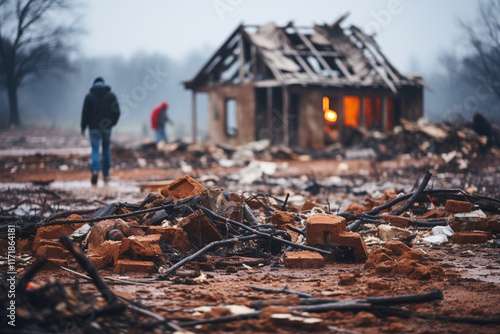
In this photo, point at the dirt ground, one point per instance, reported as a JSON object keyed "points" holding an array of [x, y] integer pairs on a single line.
{"points": [[468, 275]]}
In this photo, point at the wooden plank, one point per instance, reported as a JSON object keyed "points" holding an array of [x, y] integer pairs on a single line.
{"points": [[241, 58], [311, 47], [286, 106], [194, 130], [361, 38], [217, 53], [269, 112], [312, 75], [277, 74]]}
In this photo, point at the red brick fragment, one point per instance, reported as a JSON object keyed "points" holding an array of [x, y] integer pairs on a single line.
{"points": [[199, 228], [469, 237], [181, 241], [397, 247], [109, 251], [397, 221], [52, 252], [325, 229], [304, 260], [282, 218], [167, 233], [309, 205], [142, 248], [458, 206], [347, 279], [183, 187], [125, 266]]}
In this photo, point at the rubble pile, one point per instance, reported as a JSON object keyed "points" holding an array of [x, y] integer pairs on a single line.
{"points": [[187, 233]]}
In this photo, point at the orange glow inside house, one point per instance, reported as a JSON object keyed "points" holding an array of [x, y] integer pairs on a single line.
{"points": [[351, 111], [330, 115]]}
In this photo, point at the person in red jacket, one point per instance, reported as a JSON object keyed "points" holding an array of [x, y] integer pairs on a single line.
{"points": [[159, 119]]}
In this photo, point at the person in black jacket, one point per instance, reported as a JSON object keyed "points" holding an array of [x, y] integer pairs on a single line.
{"points": [[100, 113]]}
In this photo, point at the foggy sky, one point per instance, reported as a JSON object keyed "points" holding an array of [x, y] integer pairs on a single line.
{"points": [[411, 33]]}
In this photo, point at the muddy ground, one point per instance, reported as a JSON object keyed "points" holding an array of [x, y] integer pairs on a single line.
{"points": [[44, 173]]}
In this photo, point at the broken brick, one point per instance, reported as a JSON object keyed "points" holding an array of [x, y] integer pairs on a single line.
{"points": [[421, 273], [482, 224], [142, 248], [377, 257], [183, 187], [469, 237], [55, 231], [413, 255], [181, 241], [347, 279], [125, 266], [309, 205], [405, 267], [397, 221], [325, 229], [282, 218], [101, 230], [40, 242], [458, 206], [378, 284], [167, 233], [385, 267], [52, 252], [365, 319], [109, 250], [397, 247], [304, 260], [199, 228]]}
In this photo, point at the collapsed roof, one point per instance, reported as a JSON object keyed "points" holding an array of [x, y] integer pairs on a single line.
{"points": [[325, 55]]}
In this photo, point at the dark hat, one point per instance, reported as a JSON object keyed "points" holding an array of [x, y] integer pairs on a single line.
{"points": [[98, 79]]}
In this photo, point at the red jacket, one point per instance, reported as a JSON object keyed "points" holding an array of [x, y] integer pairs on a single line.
{"points": [[158, 117]]}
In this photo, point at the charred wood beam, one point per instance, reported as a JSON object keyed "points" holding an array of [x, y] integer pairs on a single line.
{"points": [[171, 207], [262, 234], [107, 294], [30, 273], [202, 251], [413, 197], [311, 47], [284, 290]]}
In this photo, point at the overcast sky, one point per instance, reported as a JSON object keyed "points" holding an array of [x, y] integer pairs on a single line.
{"points": [[412, 33]]}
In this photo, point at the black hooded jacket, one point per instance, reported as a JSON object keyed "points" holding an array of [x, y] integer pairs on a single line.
{"points": [[100, 109]]}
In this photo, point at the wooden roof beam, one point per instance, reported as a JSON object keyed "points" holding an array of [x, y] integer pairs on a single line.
{"points": [[365, 43], [311, 47]]}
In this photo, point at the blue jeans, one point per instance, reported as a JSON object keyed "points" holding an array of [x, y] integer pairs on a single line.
{"points": [[160, 135], [96, 137]]}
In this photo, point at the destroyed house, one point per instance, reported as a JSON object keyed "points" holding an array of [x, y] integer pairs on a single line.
{"points": [[305, 87]]}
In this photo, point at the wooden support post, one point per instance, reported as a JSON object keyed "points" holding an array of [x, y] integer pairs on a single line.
{"points": [[194, 131], [269, 113], [286, 107], [384, 113], [362, 112], [241, 58], [340, 118]]}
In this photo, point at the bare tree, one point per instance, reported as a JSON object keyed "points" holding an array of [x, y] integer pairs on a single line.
{"points": [[483, 35], [33, 38]]}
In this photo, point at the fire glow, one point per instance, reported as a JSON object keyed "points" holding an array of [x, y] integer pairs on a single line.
{"points": [[330, 115]]}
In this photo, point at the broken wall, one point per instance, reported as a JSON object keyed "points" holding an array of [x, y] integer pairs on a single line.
{"points": [[244, 97], [412, 102]]}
